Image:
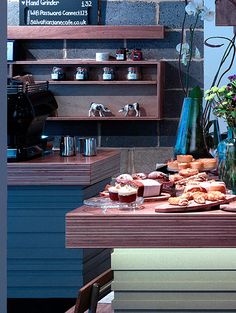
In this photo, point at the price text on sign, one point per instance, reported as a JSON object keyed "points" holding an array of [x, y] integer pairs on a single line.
{"points": [[58, 12]]}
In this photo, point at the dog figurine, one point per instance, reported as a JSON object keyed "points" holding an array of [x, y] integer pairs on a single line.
{"points": [[131, 107], [97, 108]]}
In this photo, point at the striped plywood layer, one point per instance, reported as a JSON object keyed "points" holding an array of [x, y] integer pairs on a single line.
{"points": [[90, 227], [55, 170], [174, 280]]}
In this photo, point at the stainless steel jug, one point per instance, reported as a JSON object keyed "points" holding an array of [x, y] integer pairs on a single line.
{"points": [[89, 147], [68, 146]]}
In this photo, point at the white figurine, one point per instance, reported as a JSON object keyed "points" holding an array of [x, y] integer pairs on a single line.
{"points": [[131, 107], [97, 107]]}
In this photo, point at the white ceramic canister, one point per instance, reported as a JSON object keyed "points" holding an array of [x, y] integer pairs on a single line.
{"points": [[102, 56]]}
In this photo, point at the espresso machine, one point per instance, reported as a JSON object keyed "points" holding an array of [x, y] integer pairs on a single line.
{"points": [[28, 107]]}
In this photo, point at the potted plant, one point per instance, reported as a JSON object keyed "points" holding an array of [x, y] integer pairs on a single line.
{"points": [[223, 103], [190, 139]]}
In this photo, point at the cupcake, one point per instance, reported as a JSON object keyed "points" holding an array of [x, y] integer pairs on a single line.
{"points": [[113, 192], [127, 194]]}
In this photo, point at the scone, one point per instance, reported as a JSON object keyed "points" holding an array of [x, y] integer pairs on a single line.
{"points": [[208, 163], [182, 158]]}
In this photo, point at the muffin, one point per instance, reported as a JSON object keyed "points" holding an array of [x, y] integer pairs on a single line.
{"points": [[127, 194]]}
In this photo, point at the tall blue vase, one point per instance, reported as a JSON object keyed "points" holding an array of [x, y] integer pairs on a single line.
{"points": [[190, 139]]}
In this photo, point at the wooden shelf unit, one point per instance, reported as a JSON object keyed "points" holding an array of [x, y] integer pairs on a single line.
{"points": [[86, 32], [74, 101], [103, 82], [108, 118]]}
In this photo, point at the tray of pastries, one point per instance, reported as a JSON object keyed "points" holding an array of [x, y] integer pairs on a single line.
{"points": [[198, 197], [187, 162]]}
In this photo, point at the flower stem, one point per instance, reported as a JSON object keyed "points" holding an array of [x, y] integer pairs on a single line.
{"points": [[192, 29]]}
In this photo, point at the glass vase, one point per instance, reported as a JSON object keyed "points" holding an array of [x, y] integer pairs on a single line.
{"points": [[190, 139], [227, 160]]}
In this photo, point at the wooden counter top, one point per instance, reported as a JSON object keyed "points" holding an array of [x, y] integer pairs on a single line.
{"points": [[90, 227], [56, 170]]}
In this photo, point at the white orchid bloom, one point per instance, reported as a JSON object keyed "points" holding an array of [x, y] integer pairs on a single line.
{"points": [[194, 7], [207, 14], [191, 9], [197, 53], [185, 48]]}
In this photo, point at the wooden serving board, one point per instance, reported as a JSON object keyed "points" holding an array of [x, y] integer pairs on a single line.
{"points": [[193, 206], [163, 196]]}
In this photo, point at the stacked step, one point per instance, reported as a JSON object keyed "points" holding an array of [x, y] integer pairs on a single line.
{"points": [[174, 280]]}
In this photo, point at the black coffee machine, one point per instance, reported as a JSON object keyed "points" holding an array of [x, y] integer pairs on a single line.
{"points": [[28, 107]]}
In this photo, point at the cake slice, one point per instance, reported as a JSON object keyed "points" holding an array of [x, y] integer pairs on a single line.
{"points": [[147, 187]]}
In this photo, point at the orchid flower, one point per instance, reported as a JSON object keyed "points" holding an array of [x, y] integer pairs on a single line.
{"points": [[187, 51], [207, 15], [194, 7]]}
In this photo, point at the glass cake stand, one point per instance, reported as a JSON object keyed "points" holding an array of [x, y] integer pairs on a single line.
{"points": [[106, 203]]}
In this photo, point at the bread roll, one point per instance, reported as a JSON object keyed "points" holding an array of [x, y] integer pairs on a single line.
{"points": [[181, 158]]}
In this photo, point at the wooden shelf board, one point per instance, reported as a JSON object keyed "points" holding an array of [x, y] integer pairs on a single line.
{"points": [[112, 118], [101, 82], [82, 61], [86, 32]]}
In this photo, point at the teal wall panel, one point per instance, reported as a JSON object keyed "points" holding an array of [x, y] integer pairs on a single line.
{"points": [[39, 265]]}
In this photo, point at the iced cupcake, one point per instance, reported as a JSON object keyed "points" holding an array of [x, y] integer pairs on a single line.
{"points": [[127, 194], [113, 192]]}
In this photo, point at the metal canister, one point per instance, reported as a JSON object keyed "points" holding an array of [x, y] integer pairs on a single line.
{"points": [[67, 146], [89, 147]]}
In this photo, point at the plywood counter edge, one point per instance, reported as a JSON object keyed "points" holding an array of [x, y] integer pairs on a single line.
{"points": [[56, 170], [88, 227]]}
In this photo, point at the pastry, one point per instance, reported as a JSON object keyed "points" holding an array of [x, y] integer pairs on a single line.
{"points": [[147, 187], [196, 165], [208, 163], [182, 166], [215, 196], [181, 158], [139, 176], [178, 201], [158, 175], [124, 178], [175, 177], [194, 188], [217, 186], [188, 172], [172, 165], [199, 197], [127, 194]]}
